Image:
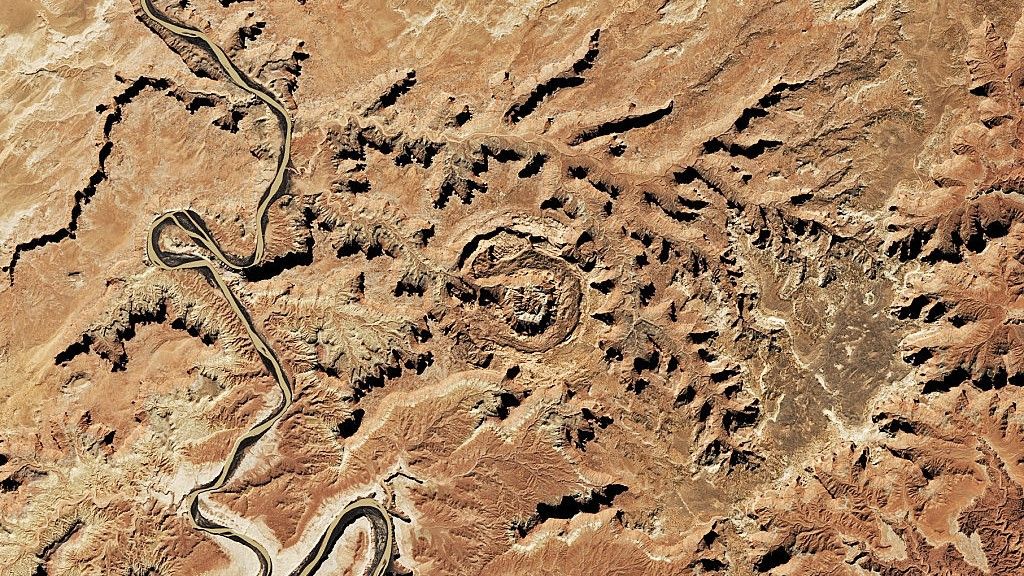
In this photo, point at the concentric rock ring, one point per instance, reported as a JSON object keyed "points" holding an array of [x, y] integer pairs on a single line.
{"points": [[510, 293]]}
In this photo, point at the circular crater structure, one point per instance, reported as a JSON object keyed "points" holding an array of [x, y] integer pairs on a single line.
{"points": [[511, 293]]}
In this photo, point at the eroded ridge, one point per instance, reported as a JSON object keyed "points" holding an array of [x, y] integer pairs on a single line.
{"points": [[192, 226]]}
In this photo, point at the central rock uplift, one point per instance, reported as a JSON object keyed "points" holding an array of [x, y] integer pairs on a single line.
{"points": [[509, 293]]}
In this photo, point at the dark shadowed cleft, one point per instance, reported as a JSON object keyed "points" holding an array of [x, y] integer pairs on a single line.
{"points": [[275, 266], [623, 124], [247, 34], [569, 78], [47, 551], [710, 565], [506, 401], [760, 110], [800, 199], [349, 426], [751, 151], [892, 423], [85, 195], [75, 349], [533, 166], [393, 93], [465, 115], [571, 506], [15, 480], [9, 484], [775, 557], [947, 382]]}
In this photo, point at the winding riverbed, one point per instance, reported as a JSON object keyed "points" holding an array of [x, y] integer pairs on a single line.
{"points": [[193, 227]]}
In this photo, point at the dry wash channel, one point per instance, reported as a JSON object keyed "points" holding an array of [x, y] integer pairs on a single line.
{"points": [[192, 226]]}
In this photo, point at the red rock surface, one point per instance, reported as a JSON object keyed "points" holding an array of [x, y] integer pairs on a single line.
{"points": [[674, 287]]}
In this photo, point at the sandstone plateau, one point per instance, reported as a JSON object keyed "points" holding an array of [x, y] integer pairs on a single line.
{"points": [[503, 288]]}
